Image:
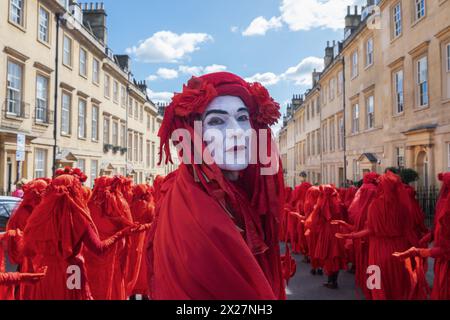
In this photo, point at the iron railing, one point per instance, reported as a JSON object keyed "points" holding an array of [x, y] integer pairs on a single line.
{"points": [[16, 109], [427, 197]]}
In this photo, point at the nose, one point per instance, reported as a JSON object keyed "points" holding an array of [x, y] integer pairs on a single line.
{"points": [[234, 130]]}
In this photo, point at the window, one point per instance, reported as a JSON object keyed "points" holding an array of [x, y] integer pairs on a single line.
{"points": [[40, 159], [14, 88], [369, 52], [130, 146], [448, 57], [130, 107], [340, 82], [136, 110], [81, 119], [44, 23], [83, 62], [447, 69], [81, 164], [65, 113], [107, 86], [419, 9], [341, 133], [153, 155], [332, 136], [325, 138], [94, 171], [41, 99], [106, 130], [355, 64], [123, 96], [355, 118], [153, 125], [115, 133], [422, 82], [141, 148], [355, 170], [136, 147], [399, 99], [397, 19], [94, 132], [141, 113], [16, 12], [400, 155], [95, 71], [148, 122], [67, 51], [122, 136], [116, 91], [370, 108]]}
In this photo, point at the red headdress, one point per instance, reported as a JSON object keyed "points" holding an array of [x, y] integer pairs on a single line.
{"points": [[265, 192], [73, 172]]}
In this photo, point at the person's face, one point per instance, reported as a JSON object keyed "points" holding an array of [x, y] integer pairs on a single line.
{"points": [[226, 123]]}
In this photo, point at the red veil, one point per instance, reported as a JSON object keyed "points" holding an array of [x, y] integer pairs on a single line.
{"points": [[213, 238], [111, 213], [53, 238]]}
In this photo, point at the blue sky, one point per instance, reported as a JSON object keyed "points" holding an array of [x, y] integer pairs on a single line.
{"points": [[277, 42]]}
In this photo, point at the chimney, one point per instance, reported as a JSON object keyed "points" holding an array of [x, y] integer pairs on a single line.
{"points": [[329, 56], [161, 108], [94, 18], [352, 21], [142, 86], [315, 77], [124, 62]]}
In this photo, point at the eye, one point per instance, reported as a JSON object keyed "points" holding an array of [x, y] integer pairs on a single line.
{"points": [[215, 121], [243, 117]]}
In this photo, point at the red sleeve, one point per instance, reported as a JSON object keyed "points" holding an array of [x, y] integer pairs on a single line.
{"points": [[437, 252], [9, 278], [94, 244]]}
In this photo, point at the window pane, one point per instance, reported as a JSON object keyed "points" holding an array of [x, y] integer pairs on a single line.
{"points": [[41, 98], [65, 113], [95, 123], [43, 24], [82, 119]]}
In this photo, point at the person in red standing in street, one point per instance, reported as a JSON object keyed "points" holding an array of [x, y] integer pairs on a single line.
{"points": [[215, 234]]}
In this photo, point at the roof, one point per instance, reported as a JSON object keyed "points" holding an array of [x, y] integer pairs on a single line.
{"points": [[370, 156]]}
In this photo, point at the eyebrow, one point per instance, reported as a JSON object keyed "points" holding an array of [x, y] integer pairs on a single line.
{"points": [[222, 112]]}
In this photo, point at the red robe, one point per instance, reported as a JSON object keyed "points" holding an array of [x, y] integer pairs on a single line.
{"points": [[54, 237], [329, 251], [142, 210], [391, 230], [110, 213], [357, 212], [200, 248], [311, 234]]}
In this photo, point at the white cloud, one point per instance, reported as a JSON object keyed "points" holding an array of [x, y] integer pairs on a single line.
{"points": [[159, 97], [169, 47], [198, 71], [299, 74], [234, 29], [305, 15], [309, 14], [152, 78], [266, 79], [167, 73], [259, 26]]}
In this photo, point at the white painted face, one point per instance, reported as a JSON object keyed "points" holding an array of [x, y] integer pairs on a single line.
{"points": [[226, 127]]}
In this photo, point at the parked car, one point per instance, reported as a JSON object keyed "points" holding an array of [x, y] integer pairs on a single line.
{"points": [[7, 205]]}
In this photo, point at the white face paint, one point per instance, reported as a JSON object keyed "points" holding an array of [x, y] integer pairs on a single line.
{"points": [[226, 128]]}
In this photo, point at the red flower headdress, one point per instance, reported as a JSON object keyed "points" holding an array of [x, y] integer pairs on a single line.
{"points": [[201, 91], [73, 172]]}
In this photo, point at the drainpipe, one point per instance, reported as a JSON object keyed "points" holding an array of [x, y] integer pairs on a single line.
{"points": [[345, 121], [55, 112]]}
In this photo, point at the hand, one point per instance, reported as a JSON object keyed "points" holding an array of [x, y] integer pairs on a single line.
{"points": [[342, 236], [413, 252], [34, 277], [338, 222], [14, 233]]}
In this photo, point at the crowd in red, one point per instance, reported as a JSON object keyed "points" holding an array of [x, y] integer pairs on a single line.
{"points": [[62, 226], [379, 225]]}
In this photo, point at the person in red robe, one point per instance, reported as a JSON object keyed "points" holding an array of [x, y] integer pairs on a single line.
{"points": [[142, 210], [33, 192], [110, 213], [58, 229], [328, 252], [440, 250], [295, 218], [215, 234], [9, 280], [357, 215], [390, 230], [311, 198]]}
